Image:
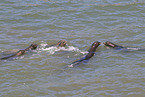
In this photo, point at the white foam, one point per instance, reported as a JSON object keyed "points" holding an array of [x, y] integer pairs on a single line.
{"points": [[54, 49], [71, 48], [133, 48], [72, 65], [43, 45], [51, 50]]}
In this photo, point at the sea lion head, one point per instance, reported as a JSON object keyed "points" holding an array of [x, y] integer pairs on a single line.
{"points": [[61, 43], [94, 46], [20, 52], [110, 44], [33, 46]]}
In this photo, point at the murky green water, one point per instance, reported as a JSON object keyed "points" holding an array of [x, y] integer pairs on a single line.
{"points": [[43, 72]]}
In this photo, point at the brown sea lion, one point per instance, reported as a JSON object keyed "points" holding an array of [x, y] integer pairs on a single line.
{"points": [[20, 52], [88, 56], [31, 47], [61, 43], [112, 45], [117, 47]]}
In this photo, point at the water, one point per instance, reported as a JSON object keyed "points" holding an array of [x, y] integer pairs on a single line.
{"points": [[44, 72]]}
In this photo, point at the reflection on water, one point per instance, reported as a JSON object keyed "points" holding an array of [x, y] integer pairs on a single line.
{"points": [[43, 72]]}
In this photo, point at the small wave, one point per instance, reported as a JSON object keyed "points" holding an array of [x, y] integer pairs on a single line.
{"points": [[20, 57], [51, 50], [116, 4], [133, 48], [14, 58], [42, 45]]}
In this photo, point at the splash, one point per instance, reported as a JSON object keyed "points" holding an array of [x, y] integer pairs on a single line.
{"points": [[54, 49], [133, 48], [51, 50]]}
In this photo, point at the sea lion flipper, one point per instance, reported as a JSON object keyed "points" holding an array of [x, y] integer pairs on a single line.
{"points": [[7, 57]]}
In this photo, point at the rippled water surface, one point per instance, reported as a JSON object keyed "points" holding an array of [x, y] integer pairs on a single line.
{"points": [[44, 72]]}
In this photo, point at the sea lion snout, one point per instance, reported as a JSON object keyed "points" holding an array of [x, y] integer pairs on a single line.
{"points": [[97, 43]]}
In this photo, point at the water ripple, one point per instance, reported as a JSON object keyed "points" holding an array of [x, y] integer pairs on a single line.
{"points": [[80, 22]]}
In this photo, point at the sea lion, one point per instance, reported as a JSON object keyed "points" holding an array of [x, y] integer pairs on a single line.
{"points": [[90, 54], [112, 45], [117, 47], [61, 43], [31, 47], [20, 52]]}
